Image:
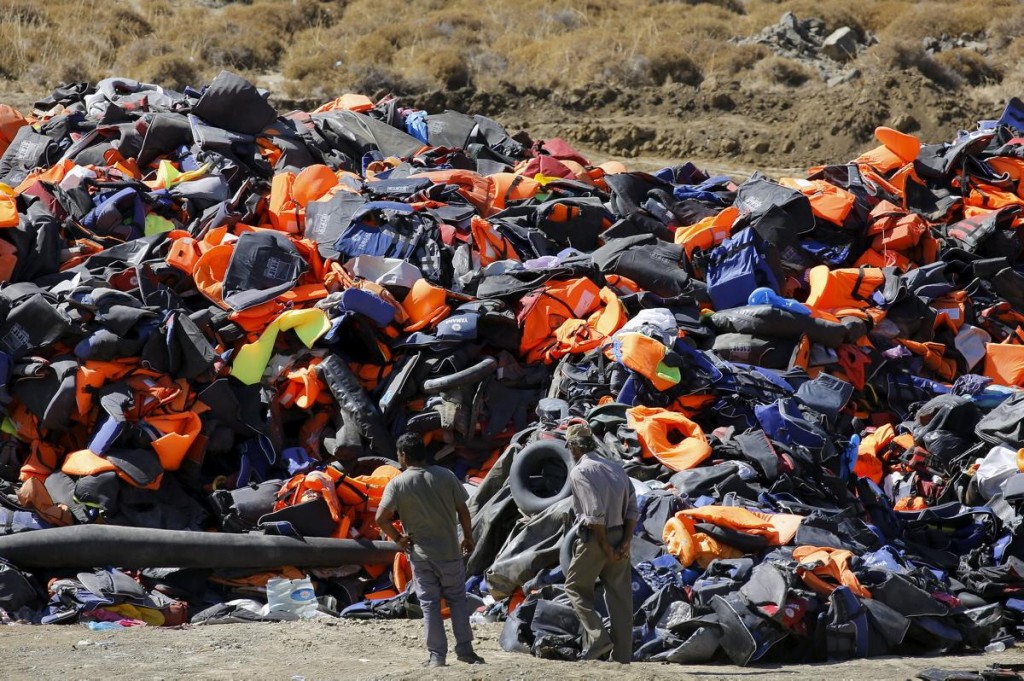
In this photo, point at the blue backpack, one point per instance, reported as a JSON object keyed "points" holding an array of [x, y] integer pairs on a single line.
{"points": [[737, 267]]}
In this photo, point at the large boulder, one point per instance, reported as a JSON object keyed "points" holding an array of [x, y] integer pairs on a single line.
{"points": [[841, 44]]}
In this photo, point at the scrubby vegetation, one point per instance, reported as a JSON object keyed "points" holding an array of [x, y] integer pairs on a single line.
{"points": [[316, 48]]}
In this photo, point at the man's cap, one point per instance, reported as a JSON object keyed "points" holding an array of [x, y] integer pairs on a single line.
{"points": [[578, 431]]}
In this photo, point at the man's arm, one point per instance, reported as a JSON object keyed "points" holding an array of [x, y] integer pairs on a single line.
{"points": [[601, 535], [467, 528], [590, 510], [386, 520], [628, 524], [622, 550]]}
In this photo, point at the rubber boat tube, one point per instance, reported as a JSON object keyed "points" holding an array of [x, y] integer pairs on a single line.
{"points": [[87, 546]]}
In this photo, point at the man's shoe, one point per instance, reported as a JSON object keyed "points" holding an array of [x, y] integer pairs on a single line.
{"points": [[471, 658], [598, 653], [435, 662]]}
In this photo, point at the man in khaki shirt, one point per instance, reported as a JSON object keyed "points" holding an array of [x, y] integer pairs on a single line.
{"points": [[429, 500], [605, 504]]}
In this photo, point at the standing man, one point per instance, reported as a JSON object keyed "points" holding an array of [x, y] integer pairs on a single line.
{"points": [[605, 505], [427, 499]]}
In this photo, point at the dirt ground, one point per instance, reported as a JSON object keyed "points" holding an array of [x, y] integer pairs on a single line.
{"points": [[729, 123], [349, 649]]}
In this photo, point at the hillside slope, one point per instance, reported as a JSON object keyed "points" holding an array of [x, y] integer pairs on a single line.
{"points": [[755, 81]]}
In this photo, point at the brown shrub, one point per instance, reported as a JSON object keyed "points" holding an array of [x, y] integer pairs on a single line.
{"points": [[734, 6], [835, 14], [130, 23], [729, 59], [378, 47], [23, 13], [290, 17], [12, 57], [1006, 27], [487, 67], [695, 23], [313, 52], [934, 19], [242, 46], [302, 66], [783, 71], [673, 64], [157, 9], [458, 22], [903, 56], [76, 70], [972, 67], [138, 51], [876, 16], [370, 80], [170, 71], [1011, 56], [448, 69]]}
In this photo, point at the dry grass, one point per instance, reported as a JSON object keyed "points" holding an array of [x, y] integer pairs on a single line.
{"points": [[317, 48], [781, 71]]}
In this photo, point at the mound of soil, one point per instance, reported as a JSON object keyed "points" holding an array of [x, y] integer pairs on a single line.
{"points": [[730, 123]]}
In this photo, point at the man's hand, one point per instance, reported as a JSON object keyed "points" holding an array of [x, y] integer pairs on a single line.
{"points": [[622, 550], [386, 520], [598, 532], [467, 529]]}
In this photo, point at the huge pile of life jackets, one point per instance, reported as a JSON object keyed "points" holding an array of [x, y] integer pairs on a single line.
{"points": [[217, 317]]}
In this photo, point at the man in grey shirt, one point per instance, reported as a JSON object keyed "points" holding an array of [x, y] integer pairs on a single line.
{"points": [[605, 505], [427, 499]]}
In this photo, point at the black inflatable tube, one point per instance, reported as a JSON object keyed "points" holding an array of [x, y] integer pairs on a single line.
{"points": [[351, 397], [365, 465], [566, 548], [89, 546], [482, 369], [424, 422], [529, 463]]}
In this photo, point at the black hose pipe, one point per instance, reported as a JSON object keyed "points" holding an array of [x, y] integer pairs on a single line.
{"points": [[88, 546]]}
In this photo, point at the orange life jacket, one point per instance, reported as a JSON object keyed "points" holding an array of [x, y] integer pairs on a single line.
{"points": [[540, 313], [1004, 363], [475, 188], [778, 528], [825, 569], [511, 187], [898, 149], [683, 541], [843, 289], [576, 336], [894, 228], [708, 233], [489, 245], [11, 121], [671, 438], [828, 202]]}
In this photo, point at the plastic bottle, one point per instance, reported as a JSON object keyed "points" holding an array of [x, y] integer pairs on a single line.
{"points": [[996, 647], [292, 595]]}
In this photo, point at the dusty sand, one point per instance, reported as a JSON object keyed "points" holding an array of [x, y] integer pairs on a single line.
{"points": [[350, 649]]}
